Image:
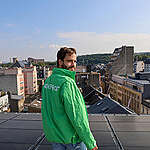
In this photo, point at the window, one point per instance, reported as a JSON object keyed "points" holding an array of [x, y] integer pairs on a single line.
{"points": [[21, 88]]}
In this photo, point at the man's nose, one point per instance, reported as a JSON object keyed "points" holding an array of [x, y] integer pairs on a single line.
{"points": [[73, 62]]}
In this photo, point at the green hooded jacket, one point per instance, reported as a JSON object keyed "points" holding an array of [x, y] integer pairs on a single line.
{"points": [[64, 114]]}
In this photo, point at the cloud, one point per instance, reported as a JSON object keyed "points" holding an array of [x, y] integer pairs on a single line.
{"points": [[42, 46], [55, 46], [10, 25], [90, 42], [37, 30]]}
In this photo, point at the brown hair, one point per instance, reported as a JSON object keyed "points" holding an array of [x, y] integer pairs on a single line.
{"points": [[62, 53]]}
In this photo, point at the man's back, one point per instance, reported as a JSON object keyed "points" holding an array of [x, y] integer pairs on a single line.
{"points": [[65, 119], [55, 118]]}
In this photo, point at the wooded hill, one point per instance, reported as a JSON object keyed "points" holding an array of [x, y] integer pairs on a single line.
{"points": [[105, 58], [93, 59]]}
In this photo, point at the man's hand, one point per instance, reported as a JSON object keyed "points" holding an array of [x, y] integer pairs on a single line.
{"points": [[95, 148]]}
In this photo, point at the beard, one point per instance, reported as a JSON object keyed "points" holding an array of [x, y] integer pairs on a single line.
{"points": [[66, 67]]}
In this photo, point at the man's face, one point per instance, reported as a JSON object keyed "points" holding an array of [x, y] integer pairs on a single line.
{"points": [[69, 62]]}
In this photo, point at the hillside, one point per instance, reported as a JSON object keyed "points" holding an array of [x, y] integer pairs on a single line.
{"points": [[93, 59], [105, 58]]}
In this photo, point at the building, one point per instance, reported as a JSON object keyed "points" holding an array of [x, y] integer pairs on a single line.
{"points": [[143, 76], [88, 78], [21, 64], [35, 107], [107, 106], [48, 72], [43, 72], [33, 60], [12, 80], [122, 61], [16, 103], [40, 83], [138, 66], [131, 93], [81, 69], [40, 72], [4, 103], [30, 76], [30, 80], [147, 65], [15, 59]]}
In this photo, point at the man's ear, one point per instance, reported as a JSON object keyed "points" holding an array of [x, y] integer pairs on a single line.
{"points": [[60, 62]]}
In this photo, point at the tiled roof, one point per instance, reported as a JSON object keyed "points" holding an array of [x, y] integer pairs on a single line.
{"points": [[23, 131]]}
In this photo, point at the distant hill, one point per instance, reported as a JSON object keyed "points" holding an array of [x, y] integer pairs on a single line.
{"points": [[93, 59], [105, 58], [142, 53], [141, 56]]}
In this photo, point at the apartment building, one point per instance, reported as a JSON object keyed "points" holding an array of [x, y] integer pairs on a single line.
{"points": [[30, 80], [30, 76], [122, 61], [4, 102], [138, 66], [48, 72], [43, 72], [12, 80], [33, 60], [147, 65], [131, 93]]}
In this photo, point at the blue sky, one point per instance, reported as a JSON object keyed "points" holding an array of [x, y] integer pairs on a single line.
{"points": [[38, 28]]}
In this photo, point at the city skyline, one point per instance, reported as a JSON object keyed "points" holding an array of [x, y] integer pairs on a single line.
{"points": [[39, 28]]}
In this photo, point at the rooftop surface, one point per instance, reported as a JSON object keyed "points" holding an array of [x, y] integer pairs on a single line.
{"points": [[23, 131]]}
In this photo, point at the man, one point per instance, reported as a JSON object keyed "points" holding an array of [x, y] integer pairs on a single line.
{"points": [[65, 119]]}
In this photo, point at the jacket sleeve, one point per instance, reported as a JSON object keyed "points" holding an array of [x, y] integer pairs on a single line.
{"points": [[76, 111]]}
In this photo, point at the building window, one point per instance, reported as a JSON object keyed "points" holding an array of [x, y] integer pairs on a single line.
{"points": [[21, 88]]}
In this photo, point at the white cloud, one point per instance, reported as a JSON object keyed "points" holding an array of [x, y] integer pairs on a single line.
{"points": [[10, 25], [55, 46], [90, 42], [42, 46], [37, 30]]}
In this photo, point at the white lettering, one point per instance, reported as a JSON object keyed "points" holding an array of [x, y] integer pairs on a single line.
{"points": [[51, 87]]}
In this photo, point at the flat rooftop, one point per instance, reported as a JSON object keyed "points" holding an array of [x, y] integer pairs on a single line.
{"points": [[142, 82], [23, 131]]}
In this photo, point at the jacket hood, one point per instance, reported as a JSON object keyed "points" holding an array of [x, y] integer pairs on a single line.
{"points": [[65, 72]]}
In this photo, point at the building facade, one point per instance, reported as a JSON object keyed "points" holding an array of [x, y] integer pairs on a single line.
{"points": [[138, 66], [147, 65], [85, 79], [4, 103], [33, 60], [30, 80], [12, 80], [122, 61], [131, 93], [81, 69], [16, 103]]}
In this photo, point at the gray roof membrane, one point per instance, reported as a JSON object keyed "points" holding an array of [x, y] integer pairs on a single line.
{"points": [[21, 131]]}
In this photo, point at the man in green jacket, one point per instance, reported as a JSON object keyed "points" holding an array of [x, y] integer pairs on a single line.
{"points": [[65, 118]]}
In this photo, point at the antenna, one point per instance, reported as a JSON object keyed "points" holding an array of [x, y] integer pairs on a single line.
{"points": [[10, 59]]}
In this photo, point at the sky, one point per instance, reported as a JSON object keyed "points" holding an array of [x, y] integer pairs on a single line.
{"points": [[38, 28]]}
